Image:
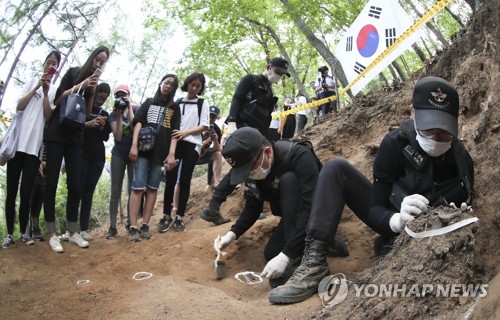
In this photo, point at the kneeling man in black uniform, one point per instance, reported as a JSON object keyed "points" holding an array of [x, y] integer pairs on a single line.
{"points": [[420, 164]]}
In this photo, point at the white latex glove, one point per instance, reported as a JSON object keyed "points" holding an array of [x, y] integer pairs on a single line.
{"points": [[224, 241], [276, 266], [231, 128], [411, 207]]}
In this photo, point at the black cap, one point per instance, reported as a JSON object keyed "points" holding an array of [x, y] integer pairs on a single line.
{"points": [[323, 69], [436, 104], [240, 150], [281, 64], [214, 110]]}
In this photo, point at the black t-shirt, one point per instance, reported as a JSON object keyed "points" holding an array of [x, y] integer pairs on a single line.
{"points": [[55, 132], [93, 145], [149, 115]]}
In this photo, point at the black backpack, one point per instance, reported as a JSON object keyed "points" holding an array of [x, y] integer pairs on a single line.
{"points": [[199, 103]]}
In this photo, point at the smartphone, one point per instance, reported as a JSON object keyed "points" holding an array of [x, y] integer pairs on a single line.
{"points": [[98, 72], [50, 73]]}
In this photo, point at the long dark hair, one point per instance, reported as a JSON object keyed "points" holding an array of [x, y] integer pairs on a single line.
{"points": [[193, 76], [158, 98], [86, 69], [54, 53]]}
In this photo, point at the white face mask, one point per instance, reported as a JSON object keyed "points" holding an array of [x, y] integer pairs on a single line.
{"points": [[273, 77], [260, 173], [431, 147]]}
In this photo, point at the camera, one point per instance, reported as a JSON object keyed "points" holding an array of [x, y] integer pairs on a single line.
{"points": [[120, 104]]}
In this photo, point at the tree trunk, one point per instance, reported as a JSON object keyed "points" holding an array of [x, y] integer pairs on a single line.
{"points": [[419, 52], [427, 48], [25, 43], [77, 38], [429, 25], [322, 49], [405, 64], [283, 52], [399, 70], [454, 16], [383, 78], [393, 73], [12, 42]]}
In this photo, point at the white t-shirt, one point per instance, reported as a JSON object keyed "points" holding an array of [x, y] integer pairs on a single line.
{"points": [[301, 100], [328, 80], [275, 123], [33, 121], [189, 119]]}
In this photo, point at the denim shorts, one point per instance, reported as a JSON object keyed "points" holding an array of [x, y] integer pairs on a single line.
{"points": [[147, 173]]}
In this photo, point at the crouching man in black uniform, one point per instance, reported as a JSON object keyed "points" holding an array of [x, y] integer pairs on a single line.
{"points": [[420, 164], [285, 174]]}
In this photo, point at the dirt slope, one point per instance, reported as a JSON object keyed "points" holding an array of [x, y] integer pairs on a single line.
{"points": [[36, 283]]}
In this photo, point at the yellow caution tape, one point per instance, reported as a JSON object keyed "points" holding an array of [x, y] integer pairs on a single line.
{"points": [[440, 5]]}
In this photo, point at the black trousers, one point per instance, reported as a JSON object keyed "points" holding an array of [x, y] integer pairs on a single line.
{"points": [[288, 208], [36, 201], [186, 152], [26, 164], [339, 183], [223, 190], [73, 163], [301, 122]]}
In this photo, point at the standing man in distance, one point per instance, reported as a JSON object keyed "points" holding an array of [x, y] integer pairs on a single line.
{"points": [[252, 105], [325, 87]]}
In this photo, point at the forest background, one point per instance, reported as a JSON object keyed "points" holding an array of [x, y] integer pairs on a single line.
{"points": [[224, 39]]}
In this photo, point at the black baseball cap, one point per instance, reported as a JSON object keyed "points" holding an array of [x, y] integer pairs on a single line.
{"points": [[214, 110], [240, 150], [436, 104], [281, 64]]}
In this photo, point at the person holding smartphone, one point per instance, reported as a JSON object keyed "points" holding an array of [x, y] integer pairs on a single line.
{"points": [[67, 142], [35, 102], [97, 130]]}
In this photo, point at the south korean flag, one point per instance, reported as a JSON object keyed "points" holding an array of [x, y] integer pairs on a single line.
{"points": [[376, 28]]}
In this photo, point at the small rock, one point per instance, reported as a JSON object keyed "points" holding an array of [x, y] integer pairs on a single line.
{"points": [[418, 267]]}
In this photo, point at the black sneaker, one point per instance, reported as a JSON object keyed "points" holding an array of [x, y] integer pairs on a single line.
{"points": [[36, 233], [133, 234], [179, 224], [165, 224], [145, 231], [112, 232]]}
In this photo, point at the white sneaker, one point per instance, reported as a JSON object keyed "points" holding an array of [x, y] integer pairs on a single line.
{"points": [[55, 244], [64, 237], [86, 235], [77, 239]]}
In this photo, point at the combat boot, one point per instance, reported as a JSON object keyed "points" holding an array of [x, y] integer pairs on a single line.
{"points": [[306, 278], [212, 214]]}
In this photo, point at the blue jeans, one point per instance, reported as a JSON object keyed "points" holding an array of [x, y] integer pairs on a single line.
{"points": [[147, 173], [91, 172], [118, 166]]}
